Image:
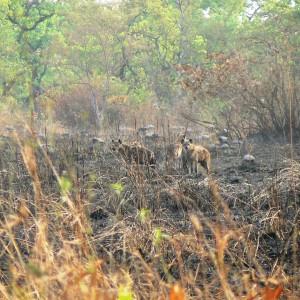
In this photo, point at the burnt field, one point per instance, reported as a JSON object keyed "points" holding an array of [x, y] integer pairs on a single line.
{"points": [[75, 218]]}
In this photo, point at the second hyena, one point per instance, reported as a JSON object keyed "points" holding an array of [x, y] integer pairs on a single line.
{"points": [[175, 152], [134, 153], [142, 155], [194, 154], [123, 150]]}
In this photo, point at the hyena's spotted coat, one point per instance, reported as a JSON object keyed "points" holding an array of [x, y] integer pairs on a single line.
{"points": [[134, 153], [195, 154], [123, 150], [142, 155], [174, 152]]}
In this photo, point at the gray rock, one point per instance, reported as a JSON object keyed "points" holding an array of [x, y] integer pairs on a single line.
{"points": [[248, 157]]}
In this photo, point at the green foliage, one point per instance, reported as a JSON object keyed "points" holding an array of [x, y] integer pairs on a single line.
{"points": [[34, 270], [11, 66], [117, 187], [28, 29], [144, 214], [133, 48], [139, 94], [159, 236], [125, 292], [65, 185]]}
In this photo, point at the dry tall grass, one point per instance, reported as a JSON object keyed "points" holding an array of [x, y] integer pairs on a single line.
{"points": [[73, 226]]}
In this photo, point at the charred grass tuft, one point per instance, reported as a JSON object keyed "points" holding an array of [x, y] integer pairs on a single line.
{"points": [[76, 223]]}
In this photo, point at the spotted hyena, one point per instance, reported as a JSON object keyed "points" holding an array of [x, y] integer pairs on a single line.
{"points": [[134, 153], [123, 150], [175, 151], [194, 155], [174, 154], [142, 155]]}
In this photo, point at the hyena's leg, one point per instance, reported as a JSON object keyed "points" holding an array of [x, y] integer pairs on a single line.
{"points": [[205, 165], [185, 165], [196, 167]]}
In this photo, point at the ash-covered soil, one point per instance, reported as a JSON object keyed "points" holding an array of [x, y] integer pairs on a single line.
{"points": [[262, 197], [257, 202]]}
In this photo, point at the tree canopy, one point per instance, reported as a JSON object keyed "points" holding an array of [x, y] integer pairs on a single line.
{"points": [[241, 56]]}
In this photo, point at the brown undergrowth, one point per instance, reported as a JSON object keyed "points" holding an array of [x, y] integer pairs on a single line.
{"points": [[76, 223]]}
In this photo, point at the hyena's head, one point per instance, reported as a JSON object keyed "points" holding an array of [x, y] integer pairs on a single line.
{"points": [[180, 137], [122, 149], [187, 144], [116, 145], [119, 146]]}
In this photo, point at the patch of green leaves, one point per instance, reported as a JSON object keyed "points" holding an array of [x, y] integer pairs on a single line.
{"points": [[117, 187]]}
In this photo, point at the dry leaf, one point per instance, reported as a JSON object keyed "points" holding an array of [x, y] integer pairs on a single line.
{"points": [[270, 294], [177, 292]]}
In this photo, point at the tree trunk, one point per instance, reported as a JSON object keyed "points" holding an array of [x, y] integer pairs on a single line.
{"points": [[96, 111]]}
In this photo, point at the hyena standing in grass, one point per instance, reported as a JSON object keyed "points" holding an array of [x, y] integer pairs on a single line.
{"points": [[123, 150], [174, 152], [142, 155], [134, 153], [194, 155]]}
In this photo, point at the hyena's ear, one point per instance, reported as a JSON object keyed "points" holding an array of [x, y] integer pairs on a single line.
{"points": [[112, 140], [190, 140], [182, 141], [120, 142]]}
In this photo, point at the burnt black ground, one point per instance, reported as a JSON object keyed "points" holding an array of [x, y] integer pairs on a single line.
{"points": [[260, 197]]}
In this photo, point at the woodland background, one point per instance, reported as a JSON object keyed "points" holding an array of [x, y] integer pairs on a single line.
{"points": [[76, 222], [90, 63]]}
